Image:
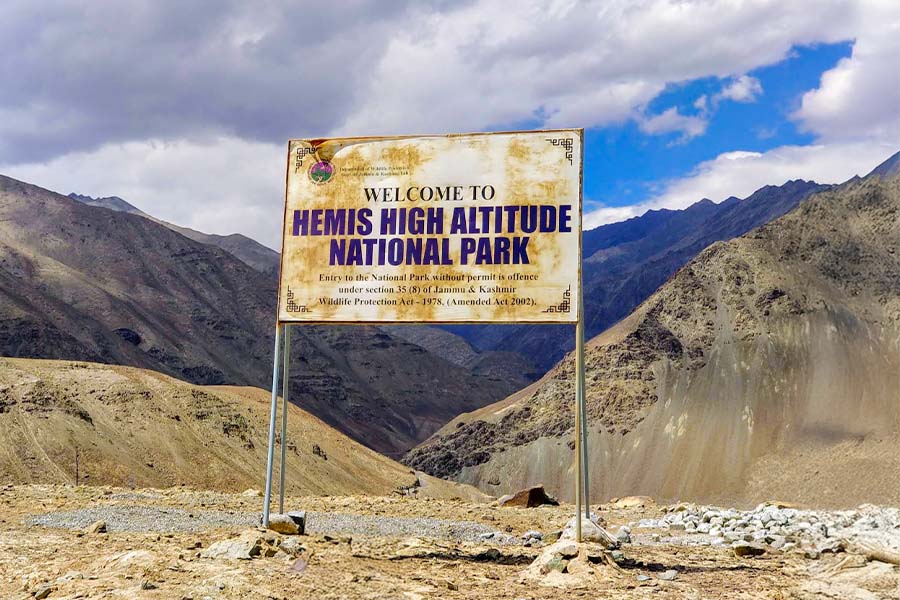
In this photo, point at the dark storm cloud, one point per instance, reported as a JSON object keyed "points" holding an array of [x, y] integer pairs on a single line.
{"points": [[77, 75]]}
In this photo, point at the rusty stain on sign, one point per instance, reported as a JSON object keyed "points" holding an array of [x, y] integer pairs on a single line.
{"points": [[451, 228]]}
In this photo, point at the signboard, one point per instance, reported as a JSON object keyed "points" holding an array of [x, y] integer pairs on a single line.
{"points": [[433, 229]]}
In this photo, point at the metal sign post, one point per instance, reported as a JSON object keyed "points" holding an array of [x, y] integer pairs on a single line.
{"points": [[581, 453], [274, 410], [582, 485], [579, 478], [285, 380]]}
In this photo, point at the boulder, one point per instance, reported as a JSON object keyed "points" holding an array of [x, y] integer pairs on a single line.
{"points": [[528, 498], [623, 536], [96, 527], [668, 575], [555, 563], [553, 536], [532, 535], [292, 546], [748, 549], [244, 547], [251, 493], [633, 502], [43, 592], [566, 549], [292, 523], [554, 558]]}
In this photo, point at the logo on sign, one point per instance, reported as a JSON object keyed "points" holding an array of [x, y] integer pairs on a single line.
{"points": [[321, 172]]}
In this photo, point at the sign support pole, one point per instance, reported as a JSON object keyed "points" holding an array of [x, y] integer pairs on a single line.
{"points": [[579, 468], [271, 453], [582, 406], [285, 381]]}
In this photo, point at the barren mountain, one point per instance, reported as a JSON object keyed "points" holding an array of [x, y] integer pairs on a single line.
{"points": [[513, 369], [769, 366], [132, 427], [626, 262], [87, 283], [261, 258]]}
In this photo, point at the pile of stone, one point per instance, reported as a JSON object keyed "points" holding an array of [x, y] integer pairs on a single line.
{"points": [[568, 563], [772, 527]]}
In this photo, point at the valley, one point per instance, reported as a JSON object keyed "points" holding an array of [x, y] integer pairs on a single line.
{"points": [[117, 287]]}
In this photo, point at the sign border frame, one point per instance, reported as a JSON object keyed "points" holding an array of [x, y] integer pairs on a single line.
{"points": [[578, 282]]}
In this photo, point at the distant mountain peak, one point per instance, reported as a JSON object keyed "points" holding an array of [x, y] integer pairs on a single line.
{"points": [[110, 202], [248, 250], [888, 169]]}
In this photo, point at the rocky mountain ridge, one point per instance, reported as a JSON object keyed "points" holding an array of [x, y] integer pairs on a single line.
{"points": [[625, 262], [261, 258], [769, 364]]}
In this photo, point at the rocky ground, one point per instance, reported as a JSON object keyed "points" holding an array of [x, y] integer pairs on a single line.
{"points": [[179, 543]]}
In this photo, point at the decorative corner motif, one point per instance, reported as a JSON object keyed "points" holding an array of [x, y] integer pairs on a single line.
{"points": [[568, 144], [292, 306], [564, 306], [299, 155]]}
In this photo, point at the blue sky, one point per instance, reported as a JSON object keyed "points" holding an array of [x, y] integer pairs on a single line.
{"points": [[624, 165], [187, 117]]}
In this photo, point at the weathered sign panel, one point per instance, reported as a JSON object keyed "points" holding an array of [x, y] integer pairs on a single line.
{"points": [[456, 228]]}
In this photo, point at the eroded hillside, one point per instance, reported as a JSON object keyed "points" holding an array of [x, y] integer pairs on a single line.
{"points": [[769, 365], [131, 427]]}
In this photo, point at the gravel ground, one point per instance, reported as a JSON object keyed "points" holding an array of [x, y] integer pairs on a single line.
{"points": [[143, 519], [139, 518]]}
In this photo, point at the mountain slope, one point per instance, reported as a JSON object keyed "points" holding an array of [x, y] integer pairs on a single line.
{"points": [[132, 427], [768, 365], [261, 258], [513, 369], [86, 283], [625, 262], [510, 367]]}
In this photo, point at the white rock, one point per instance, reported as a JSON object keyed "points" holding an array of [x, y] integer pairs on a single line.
{"points": [[244, 547], [590, 532]]}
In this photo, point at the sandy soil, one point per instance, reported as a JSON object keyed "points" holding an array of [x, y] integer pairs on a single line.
{"points": [[73, 564]]}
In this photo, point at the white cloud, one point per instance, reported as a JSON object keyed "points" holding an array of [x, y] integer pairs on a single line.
{"points": [[742, 173], [221, 185], [740, 89], [743, 89], [573, 63], [670, 121], [860, 97], [183, 109], [854, 112]]}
